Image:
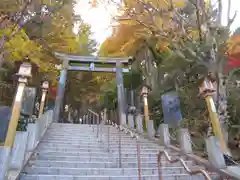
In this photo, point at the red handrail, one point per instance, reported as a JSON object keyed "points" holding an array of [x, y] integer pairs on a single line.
{"points": [[139, 159], [159, 163]]}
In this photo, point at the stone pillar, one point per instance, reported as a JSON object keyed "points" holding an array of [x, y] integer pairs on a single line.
{"points": [[5, 153], [31, 129], [131, 121], [150, 129], [19, 150], [215, 155], [158, 133], [120, 94], [164, 134], [60, 92], [185, 141], [139, 122], [87, 119]]}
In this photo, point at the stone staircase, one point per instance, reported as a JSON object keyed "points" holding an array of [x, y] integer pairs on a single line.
{"points": [[73, 152]]}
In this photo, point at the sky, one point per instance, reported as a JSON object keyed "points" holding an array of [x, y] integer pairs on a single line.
{"points": [[234, 7], [100, 18]]}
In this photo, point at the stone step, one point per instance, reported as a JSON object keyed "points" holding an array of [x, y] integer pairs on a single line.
{"points": [[76, 152], [92, 157], [99, 147], [56, 125], [104, 144], [99, 150], [84, 129], [66, 136], [90, 134], [100, 164], [104, 171], [94, 177], [60, 141]]}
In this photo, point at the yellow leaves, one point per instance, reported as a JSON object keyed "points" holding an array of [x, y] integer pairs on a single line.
{"points": [[128, 45], [166, 4], [234, 46], [207, 3], [163, 45], [158, 22], [129, 22], [179, 3], [193, 33]]}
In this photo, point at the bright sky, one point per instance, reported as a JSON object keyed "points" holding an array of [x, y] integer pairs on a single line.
{"points": [[235, 7], [100, 18]]}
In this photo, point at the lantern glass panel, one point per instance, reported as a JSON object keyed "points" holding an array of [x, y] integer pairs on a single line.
{"points": [[25, 69]]}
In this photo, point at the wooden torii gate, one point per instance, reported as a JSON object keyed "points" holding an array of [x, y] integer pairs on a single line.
{"points": [[91, 63]]}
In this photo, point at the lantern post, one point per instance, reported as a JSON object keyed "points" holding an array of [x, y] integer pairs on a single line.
{"points": [[45, 86], [206, 90], [144, 93], [25, 72]]}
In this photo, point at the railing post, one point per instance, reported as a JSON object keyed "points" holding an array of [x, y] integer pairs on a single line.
{"points": [[105, 121], [215, 154], [108, 138], [185, 141], [131, 111], [130, 120], [98, 124], [165, 138], [19, 150], [150, 129], [120, 148], [139, 122]]}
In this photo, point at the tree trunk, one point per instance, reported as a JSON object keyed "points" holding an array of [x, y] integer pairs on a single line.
{"points": [[220, 99], [222, 104]]}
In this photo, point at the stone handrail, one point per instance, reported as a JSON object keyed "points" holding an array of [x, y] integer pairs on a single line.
{"points": [[189, 171], [25, 143]]}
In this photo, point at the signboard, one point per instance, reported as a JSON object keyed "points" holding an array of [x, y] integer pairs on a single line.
{"points": [[29, 96], [5, 114], [171, 108]]}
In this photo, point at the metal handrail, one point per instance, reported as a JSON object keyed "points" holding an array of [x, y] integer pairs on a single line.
{"points": [[133, 135], [165, 153], [96, 114], [98, 120]]}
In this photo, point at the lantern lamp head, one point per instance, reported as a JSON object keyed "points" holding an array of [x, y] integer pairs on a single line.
{"points": [[45, 85], [58, 66], [144, 90], [132, 109], [206, 87], [143, 62], [130, 61], [25, 70]]}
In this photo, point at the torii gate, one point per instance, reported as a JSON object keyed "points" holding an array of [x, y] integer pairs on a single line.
{"points": [[87, 63]]}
